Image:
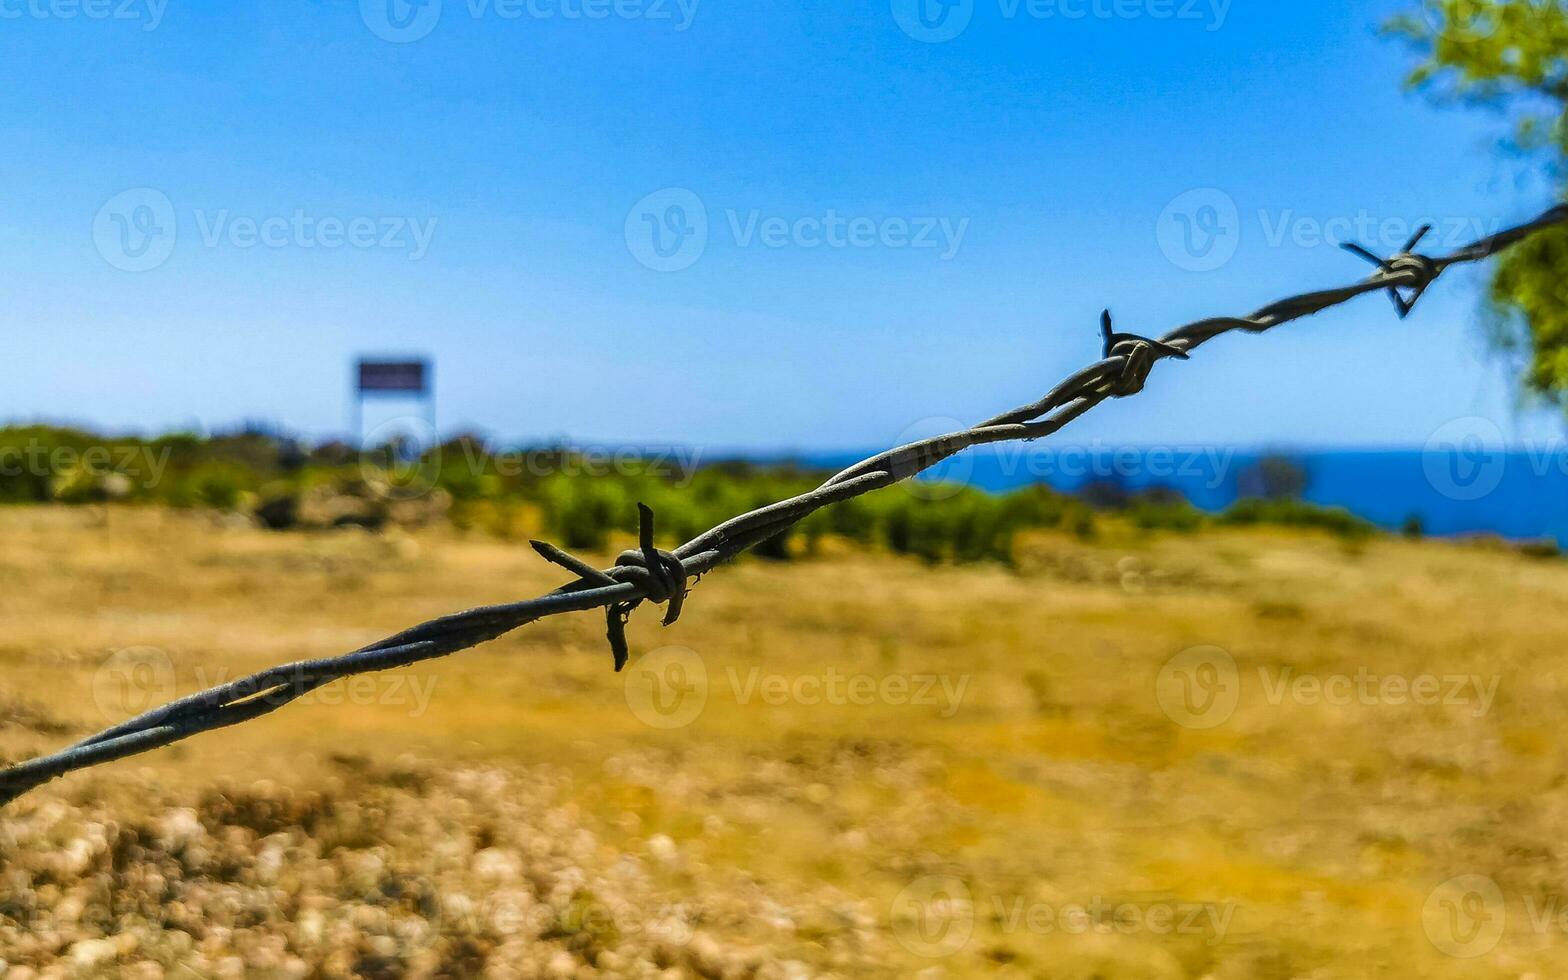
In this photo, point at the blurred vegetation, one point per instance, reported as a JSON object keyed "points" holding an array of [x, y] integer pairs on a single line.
{"points": [[574, 498], [1511, 58], [1275, 476], [1286, 512]]}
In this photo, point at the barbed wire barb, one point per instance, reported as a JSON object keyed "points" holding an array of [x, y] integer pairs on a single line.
{"points": [[1421, 268], [648, 574]]}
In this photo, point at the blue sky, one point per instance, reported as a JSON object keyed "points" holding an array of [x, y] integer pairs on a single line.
{"points": [[900, 229]]}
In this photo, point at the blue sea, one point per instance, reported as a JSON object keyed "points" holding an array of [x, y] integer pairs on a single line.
{"points": [[1520, 495]]}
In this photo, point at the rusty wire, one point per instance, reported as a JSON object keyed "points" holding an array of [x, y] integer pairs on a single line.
{"points": [[647, 574]]}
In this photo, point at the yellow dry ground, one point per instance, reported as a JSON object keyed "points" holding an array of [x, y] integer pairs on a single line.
{"points": [[900, 734]]}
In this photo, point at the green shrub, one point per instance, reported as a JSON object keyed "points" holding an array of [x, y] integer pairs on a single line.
{"points": [[216, 484], [1296, 513], [1153, 515]]}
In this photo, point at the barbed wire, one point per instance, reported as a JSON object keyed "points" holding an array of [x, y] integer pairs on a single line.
{"points": [[647, 574]]}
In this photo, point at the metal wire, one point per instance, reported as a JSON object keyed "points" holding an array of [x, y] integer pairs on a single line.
{"points": [[648, 574]]}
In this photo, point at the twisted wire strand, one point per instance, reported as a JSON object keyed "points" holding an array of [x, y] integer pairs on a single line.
{"points": [[647, 574]]}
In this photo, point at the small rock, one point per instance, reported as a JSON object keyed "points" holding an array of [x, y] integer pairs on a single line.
{"points": [[662, 849], [91, 952]]}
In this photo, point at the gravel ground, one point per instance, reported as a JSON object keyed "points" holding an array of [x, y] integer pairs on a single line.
{"points": [[400, 872]]}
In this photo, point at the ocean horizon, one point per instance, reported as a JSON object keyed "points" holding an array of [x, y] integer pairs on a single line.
{"points": [[1515, 494]]}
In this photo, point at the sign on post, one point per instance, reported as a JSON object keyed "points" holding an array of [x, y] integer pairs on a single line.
{"points": [[401, 377], [407, 377]]}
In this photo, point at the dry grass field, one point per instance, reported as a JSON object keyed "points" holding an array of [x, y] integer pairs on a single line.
{"points": [[1240, 754]]}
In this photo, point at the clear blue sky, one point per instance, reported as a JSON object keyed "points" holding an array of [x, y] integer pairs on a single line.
{"points": [[1042, 151]]}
